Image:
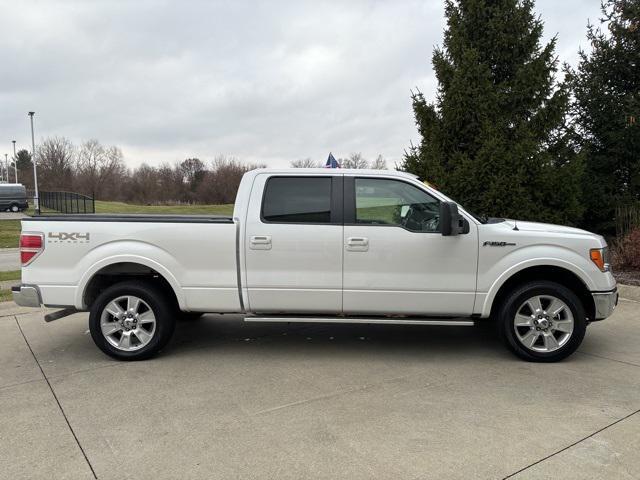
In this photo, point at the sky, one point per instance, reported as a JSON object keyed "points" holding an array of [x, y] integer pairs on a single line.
{"points": [[265, 81]]}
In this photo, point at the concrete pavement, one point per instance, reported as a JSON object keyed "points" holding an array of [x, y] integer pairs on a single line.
{"points": [[234, 400], [12, 216]]}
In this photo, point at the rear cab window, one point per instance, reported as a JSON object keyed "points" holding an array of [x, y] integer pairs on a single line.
{"points": [[311, 200]]}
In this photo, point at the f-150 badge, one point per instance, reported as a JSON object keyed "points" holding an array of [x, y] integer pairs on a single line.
{"points": [[67, 237], [498, 244]]}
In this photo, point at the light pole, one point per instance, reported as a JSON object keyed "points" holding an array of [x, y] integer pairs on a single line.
{"points": [[6, 165], [15, 160], [36, 200]]}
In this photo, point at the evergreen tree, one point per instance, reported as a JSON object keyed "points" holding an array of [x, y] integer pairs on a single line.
{"points": [[496, 138], [23, 159], [607, 110]]}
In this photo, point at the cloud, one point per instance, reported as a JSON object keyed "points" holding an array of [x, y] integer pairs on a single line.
{"points": [[268, 82]]}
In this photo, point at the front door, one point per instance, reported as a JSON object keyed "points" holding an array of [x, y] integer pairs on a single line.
{"points": [[395, 259], [294, 244]]}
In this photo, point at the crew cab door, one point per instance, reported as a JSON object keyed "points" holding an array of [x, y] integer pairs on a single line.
{"points": [[293, 244], [396, 261]]}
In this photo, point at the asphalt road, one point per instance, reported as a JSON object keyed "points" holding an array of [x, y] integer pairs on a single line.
{"points": [[232, 400]]}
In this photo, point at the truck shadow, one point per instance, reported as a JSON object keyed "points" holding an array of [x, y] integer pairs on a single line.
{"points": [[216, 331]]}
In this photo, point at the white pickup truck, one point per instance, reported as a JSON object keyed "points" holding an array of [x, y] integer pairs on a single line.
{"points": [[320, 245]]}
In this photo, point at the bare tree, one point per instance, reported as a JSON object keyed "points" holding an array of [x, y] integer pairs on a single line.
{"points": [[379, 163], [142, 186], [99, 170], [355, 160], [99, 167], [55, 157], [222, 180], [305, 163]]}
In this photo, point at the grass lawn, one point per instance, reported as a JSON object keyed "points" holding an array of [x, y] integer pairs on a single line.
{"points": [[119, 207], [5, 293], [9, 233], [12, 275], [10, 229]]}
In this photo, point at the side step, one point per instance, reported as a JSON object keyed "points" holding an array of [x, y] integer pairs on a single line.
{"points": [[382, 321]]}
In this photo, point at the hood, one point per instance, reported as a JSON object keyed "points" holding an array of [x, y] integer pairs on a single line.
{"points": [[547, 227]]}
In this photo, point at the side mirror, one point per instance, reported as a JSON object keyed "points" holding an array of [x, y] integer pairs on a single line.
{"points": [[451, 222]]}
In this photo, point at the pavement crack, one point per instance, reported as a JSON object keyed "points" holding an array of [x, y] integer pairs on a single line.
{"points": [[312, 399], [64, 415], [629, 300], [610, 359], [6, 387], [572, 445]]}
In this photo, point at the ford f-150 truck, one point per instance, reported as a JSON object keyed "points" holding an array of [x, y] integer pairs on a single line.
{"points": [[320, 245]]}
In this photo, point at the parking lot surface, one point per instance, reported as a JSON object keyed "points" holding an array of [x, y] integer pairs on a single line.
{"points": [[233, 400]]}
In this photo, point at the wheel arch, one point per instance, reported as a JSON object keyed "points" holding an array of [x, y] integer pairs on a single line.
{"points": [[555, 273], [114, 270]]}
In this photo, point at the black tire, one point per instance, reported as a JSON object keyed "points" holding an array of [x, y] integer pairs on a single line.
{"points": [[522, 293], [163, 310], [14, 207]]}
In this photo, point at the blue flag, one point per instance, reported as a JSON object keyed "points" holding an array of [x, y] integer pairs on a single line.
{"points": [[331, 162]]}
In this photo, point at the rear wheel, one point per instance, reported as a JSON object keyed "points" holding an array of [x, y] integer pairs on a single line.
{"points": [[14, 207], [131, 321], [542, 321]]}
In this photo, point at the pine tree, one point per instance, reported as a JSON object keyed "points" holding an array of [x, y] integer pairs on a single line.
{"points": [[496, 137], [607, 110]]}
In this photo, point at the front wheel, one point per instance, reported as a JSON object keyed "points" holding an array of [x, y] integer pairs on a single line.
{"points": [[542, 321], [131, 321], [15, 208]]}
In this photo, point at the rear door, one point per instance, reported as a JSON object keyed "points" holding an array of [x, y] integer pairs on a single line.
{"points": [[294, 235]]}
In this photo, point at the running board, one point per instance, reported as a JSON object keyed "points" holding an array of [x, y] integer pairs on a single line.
{"points": [[383, 321]]}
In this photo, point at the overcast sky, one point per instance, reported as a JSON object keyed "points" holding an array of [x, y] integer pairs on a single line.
{"points": [[267, 82]]}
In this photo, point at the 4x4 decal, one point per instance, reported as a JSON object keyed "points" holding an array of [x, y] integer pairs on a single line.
{"points": [[67, 237]]}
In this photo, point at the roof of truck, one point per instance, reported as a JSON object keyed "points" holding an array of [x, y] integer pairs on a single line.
{"points": [[324, 171]]}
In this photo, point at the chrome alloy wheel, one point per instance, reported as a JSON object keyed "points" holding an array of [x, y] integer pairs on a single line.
{"points": [[543, 323], [128, 323]]}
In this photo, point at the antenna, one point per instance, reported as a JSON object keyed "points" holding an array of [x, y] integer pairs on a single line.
{"points": [[515, 226]]}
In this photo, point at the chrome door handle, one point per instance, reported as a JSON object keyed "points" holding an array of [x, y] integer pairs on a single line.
{"points": [[357, 241], [260, 242], [357, 244]]}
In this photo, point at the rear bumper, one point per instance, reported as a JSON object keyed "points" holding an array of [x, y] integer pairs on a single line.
{"points": [[26, 295], [605, 303]]}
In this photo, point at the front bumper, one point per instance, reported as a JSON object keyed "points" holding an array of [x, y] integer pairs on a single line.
{"points": [[605, 303], [26, 295]]}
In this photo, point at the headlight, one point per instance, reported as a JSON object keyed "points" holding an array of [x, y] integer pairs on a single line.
{"points": [[600, 256]]}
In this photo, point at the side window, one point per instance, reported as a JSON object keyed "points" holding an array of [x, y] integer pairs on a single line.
{"points": [[392, 202], [297, 200]]}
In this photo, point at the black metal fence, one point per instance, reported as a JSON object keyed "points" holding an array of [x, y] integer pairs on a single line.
{"points": [[67, 202]]}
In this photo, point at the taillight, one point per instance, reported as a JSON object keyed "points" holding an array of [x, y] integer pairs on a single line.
{"points": [[31, 245]]}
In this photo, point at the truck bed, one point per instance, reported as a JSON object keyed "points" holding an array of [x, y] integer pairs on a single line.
{"points": [[196, 254]]}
